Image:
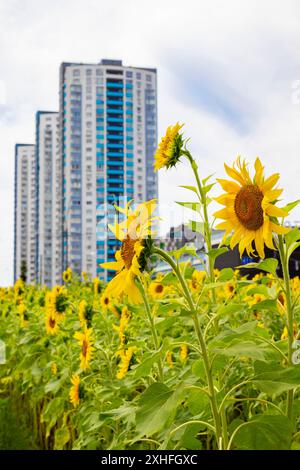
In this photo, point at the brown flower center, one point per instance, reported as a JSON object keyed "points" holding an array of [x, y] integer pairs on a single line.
{"points": [[84, 348], [127, 251], [247, 206], [52, 322], [106, 301], [159, 288]]}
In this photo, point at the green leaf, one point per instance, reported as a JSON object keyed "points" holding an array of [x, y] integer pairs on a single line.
{"points": [[194, 206], [157, 407], [198, 403], [279, 380], [189, 440], [269, 265], [265, 432], [291, 205], [292, 236], [226, 274], [196, 226], [207, 188], [215, 252], [247, 348], [185, 250], [62, 437], [204, 181], [190, 188]]}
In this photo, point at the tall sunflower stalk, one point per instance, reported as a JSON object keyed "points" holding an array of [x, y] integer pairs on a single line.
{"points": [[170, 149], [250, 220]]}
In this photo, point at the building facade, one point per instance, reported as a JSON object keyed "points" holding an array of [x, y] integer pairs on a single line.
{"points": [[108, 123], [49, 199], [25, 220]]}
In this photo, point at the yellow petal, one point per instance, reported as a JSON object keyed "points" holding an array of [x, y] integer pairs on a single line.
{"points": [[259, 243], [229, 186], [279, 229], [270, 182], [274, 211], [233, 173], [259, 171]]}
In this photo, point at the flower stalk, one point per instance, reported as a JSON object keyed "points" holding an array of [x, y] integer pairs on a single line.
{"points": [[290, 316]]}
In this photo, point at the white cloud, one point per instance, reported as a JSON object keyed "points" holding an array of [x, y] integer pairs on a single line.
{"points": [[224, 68]]}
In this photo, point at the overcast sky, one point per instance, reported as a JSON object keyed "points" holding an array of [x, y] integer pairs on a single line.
{"points": [[228, 70]]}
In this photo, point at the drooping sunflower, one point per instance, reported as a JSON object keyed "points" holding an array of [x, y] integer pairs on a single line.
{"points": [[135, 234], [76, 392], [170, 148], [86, 344], [250, 210]]}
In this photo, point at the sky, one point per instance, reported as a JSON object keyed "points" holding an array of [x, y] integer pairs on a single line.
{"points": [[230, 71]]}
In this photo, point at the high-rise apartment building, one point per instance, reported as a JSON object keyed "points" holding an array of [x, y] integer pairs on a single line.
{"points": [[49, 199], [25, 213], [108, 125]]}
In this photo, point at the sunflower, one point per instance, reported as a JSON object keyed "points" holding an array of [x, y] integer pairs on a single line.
{"points": [[184, 351], [126, 356], [169, 359], [76, 392], [23, 315], [157, 290], [250, 210], [51, 323], [67, 275], [56, 301], [170, 148], [96, 285], [53, 368], [134, 232], [86, 344], [197, 280], [125, 318], [85, 313]]}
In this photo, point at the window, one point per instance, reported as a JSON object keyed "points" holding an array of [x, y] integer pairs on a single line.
{"points": [[128, 74], [76, 72], [138, 75], [148, 78]]}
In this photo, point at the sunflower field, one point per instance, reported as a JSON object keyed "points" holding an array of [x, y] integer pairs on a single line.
{"points": [[192, 359]]}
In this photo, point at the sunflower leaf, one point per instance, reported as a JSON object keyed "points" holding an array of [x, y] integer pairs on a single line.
{"points": [[190, 188], [269, 265], [291, 205], [194, 206]]}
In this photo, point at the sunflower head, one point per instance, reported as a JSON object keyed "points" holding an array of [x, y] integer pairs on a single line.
{"points": [[52, 327], [76, 391], [85, 313], [170, 148], [250, 208], [86, 343], [134, 232], [67, 275]]}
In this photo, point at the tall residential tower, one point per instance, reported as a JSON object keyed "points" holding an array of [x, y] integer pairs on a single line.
{"points": [[108, 128], [49, 200], [25, 255]]}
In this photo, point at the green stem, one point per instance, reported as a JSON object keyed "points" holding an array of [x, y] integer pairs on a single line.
{"points": [[290, 321], [152, 327], [206, 361], [207, 231]]}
